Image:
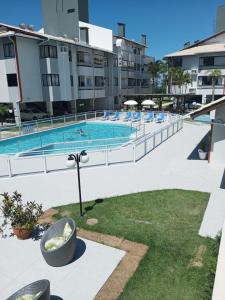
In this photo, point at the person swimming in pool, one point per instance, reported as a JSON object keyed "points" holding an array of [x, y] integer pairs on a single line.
{"points": [[81, 132]]}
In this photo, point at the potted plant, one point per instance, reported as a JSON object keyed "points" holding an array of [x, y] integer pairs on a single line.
{"points": [[202, 151], [22, 217]]}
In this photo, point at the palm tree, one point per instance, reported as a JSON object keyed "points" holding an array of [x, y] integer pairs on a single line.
{"points": [[3, 113], [154, 69], [214, 75]]}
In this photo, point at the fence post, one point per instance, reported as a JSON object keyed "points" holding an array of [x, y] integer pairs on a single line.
{"points": [[134, 153], [145, 145], [9, 167], [45, 164], [36, 125], [64, 119], [154, 141], [106, 157], [51, 122], [95, 115], [85, 116]]}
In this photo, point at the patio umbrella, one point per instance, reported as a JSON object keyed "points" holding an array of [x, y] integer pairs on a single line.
{"points": [[130, 102], [148, 102]]}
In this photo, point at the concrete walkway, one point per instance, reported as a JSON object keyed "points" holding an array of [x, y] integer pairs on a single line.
{"points": [[173, 164]]}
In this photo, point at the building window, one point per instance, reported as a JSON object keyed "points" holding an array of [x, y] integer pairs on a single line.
{"points": [[106, 61], [12, 80], [71, 10], [84, 35], [207, 81], [131, 82], [124, 83], [70, 55], [99, 81], [47, 51], [138, 82], [71, 80], [116, 81], [50, 80], [145, 83], [176, 62], [98, 60], [116, 100], [115, 62], [84, 58], [9, 50], [211, 61], [85, 82]]}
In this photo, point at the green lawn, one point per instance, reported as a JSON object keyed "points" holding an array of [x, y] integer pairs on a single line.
{"points": [[168, 221]]}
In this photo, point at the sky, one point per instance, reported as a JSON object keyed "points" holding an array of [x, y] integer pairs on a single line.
{"points": [[167, 23]]}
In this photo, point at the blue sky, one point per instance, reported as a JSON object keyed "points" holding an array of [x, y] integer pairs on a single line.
{"points": [[168, 23]]}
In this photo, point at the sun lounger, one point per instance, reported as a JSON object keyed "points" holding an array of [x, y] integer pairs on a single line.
{"points": [[149, 117], [160, 118], [106, 116], [128, 116], [137, 117], [116, 116]]}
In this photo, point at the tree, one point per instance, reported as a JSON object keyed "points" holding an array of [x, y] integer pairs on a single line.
{"points": [[4, 110], [154, 69], [214, 75]]}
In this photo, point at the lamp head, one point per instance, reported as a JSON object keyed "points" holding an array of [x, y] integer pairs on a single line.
{"points": [[84, 158], [70, 163]]}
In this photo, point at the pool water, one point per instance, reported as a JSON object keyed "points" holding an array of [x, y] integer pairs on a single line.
{"points": [[203, 118], [86, 135]]}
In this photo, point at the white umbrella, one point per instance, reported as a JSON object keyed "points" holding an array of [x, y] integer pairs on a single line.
{"points": [[131, 102], [148, 102]]}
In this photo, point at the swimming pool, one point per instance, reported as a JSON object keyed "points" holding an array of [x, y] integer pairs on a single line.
{"points": [[203, 118], [85, 135]]}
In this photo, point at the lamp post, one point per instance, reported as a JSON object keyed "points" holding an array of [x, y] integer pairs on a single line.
{"points": [[75, 159]]}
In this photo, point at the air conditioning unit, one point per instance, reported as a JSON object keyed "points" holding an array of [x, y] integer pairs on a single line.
{"points": [[194, 71]]}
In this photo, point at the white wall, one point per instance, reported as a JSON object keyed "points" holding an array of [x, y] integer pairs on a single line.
{"points": [[218, 138], [30, 74], [99, 37]]}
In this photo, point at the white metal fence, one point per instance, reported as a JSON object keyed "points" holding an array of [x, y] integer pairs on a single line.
{"points": [[133, 151]]}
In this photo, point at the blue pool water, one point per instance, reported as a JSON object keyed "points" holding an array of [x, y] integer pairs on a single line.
{"points": [[203, 118], [68, 138]]}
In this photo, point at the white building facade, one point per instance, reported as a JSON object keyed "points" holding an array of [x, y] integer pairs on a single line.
{"points": [[70, 63], [200, 59]]}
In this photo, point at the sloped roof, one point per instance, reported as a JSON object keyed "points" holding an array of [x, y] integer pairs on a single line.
{"points": [[212, 48]]}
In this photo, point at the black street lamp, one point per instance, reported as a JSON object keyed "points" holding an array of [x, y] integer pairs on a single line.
{"points": [[75, 159]]}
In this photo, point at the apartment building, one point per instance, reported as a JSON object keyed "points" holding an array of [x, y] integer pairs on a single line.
{"points": [[199, 59], [69, 63]]}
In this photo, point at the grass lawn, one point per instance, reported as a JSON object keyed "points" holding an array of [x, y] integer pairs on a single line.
{"points": [[168, 221]]}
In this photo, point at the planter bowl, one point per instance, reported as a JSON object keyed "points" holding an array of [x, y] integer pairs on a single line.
{"points": [[42, 286], [21, 233], [202, 154]]}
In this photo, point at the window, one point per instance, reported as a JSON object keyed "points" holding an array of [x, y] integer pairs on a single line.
{"points": [[124, 83], [145, 83], [70, 55], [47, 51], [138, 82], [85, 82], [71, 10], [84, 35], [177, 62], [9, 50], [211, 61], [106, 61], [81, 80], [71, 80], [131, 82], [50, 80], [207, 81], [99, 81], [116, 82], [83, 58], [12, 80], [98, 60], [115, 62], [116, 100]]}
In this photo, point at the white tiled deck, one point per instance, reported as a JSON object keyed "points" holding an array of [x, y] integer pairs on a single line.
{"points": [[21, 263]]}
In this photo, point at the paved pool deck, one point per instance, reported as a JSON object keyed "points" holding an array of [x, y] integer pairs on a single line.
{"points": [[21, 263], [172, 165]]}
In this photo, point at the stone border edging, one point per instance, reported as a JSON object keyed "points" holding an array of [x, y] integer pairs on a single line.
{"points": [[135, 252]]}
